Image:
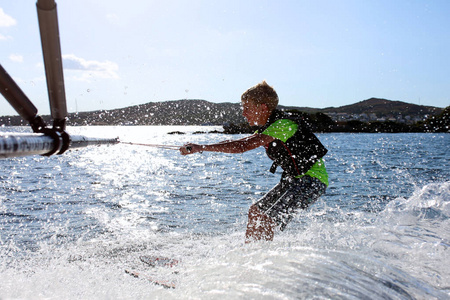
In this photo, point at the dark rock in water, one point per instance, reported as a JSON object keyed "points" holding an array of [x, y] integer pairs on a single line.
{"points": [[238, 129], [196, 132]]}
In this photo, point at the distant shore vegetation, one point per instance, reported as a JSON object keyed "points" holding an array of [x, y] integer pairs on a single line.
{"points": [[371, 116]]}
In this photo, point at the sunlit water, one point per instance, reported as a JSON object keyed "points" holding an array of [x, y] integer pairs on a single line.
{"points": [[71, 224]]}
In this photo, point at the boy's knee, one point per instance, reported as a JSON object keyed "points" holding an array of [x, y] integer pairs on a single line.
{"points": [[255, 214], [254, 211]]}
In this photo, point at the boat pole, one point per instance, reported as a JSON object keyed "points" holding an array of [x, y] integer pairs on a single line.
{"points": [[18, 145], [51, 50], [19, 101]]}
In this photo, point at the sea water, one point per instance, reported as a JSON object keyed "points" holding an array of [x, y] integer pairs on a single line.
{"points": [[71, 224]]}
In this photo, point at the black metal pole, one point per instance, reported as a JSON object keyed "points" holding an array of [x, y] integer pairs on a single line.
{"points": [[19, 101], [51, 48]]}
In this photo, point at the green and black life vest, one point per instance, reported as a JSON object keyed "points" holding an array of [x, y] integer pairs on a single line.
{"points": [[295, 148]]}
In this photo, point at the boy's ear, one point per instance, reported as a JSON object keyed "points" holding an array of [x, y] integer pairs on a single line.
{"points": [[265, 107]]}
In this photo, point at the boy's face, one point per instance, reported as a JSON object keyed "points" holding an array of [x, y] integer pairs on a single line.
{"points": [[254, 113]]}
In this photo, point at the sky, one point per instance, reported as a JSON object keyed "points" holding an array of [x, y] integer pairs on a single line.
{"points": [[320, 53]]}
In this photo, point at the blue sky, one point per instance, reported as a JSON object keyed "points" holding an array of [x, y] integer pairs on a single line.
{"points": [[314, 53]]}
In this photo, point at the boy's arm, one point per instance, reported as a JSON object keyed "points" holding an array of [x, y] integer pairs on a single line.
{"points": [[236, 146]]}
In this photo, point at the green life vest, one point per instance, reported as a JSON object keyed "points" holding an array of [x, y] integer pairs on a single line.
{"points": [[295, 148]]}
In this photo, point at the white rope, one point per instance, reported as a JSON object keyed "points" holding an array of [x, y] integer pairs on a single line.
{"points": [[170, 147]]}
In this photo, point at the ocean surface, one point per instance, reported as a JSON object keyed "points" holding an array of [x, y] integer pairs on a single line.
{"points": [[71, 224]]}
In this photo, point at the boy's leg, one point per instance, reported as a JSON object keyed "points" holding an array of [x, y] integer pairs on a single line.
{"points": [[260, 226], [279, 204]]}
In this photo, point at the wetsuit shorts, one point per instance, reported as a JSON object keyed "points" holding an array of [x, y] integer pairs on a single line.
{"points": [[290, 195]]}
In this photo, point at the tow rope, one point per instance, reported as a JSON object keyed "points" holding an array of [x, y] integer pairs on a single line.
{"points": [[169, 147]]}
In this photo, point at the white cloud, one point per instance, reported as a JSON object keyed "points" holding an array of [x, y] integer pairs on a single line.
{"points": [[5, 20], [16, 58], [3, 38], [90, 69]]}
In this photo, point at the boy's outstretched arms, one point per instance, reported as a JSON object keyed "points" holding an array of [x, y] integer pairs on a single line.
{"points": [[235, 146]]}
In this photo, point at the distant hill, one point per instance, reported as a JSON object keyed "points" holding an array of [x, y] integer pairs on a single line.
{"points": [[202, 112], [384, 107], [178, 112]]}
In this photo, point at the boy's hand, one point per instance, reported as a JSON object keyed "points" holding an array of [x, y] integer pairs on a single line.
{"points": [[190, 149]]}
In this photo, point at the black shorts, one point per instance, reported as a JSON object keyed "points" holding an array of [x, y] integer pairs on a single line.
{"points": [[290, 195]]}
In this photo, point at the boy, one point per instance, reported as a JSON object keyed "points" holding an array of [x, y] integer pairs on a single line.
{"points": [[292, 146]]}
